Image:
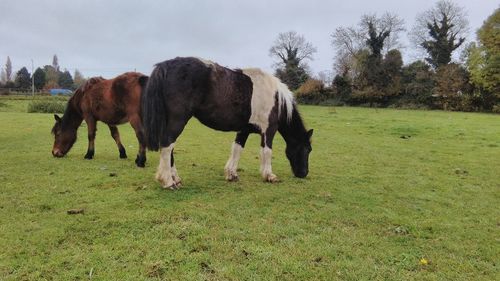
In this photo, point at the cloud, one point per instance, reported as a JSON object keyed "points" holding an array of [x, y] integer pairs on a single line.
{"points": [[109, 37]]}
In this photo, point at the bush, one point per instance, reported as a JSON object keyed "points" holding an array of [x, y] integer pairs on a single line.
{"points": [[496, 109], [311, 92], [46, 107]]}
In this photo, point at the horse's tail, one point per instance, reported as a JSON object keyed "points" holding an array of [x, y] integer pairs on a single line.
{"points": [[143, 81], [153, 108]]}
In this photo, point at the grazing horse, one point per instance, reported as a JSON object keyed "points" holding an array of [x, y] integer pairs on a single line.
{"points": [[246, 101], [114, 102]]}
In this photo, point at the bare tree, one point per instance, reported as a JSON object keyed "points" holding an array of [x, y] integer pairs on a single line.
{"points": [[291, 51], [375, 33], [291, 48], [8, 70], [55, 62], [381, 33], [3, 76], [440, 31]]}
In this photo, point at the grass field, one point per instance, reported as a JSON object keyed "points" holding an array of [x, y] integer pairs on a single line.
{"points": [[375, 206]]}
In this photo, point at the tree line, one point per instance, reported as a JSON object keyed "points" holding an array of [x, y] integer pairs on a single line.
{"points": [[43, 78], [369, 68]]}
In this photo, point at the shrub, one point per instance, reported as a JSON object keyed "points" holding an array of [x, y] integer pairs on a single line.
{"points": [[46, 107], [496, 109], [311, 92]]}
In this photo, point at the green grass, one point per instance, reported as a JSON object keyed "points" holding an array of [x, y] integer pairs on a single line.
{"points": [[373, 205]]}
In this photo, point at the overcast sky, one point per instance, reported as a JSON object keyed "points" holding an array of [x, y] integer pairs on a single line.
{"points": [[110, 37]]}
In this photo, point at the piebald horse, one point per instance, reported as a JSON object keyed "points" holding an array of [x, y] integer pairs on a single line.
{"points": [[246, 101], [112, 101]]}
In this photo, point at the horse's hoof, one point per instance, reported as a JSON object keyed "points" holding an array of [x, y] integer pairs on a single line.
{"points": [[123, 156], [232, 178], [88, 157], [231, 175], [272, 178], [167, 183], [173, 186], [140, 161], [177, 181]]}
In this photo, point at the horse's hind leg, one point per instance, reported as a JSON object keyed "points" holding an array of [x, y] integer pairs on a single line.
{"points": [[167, 173], [175, 176], [231, 168], [266, 155], [116, 136], [91, 126], [135, 122]]}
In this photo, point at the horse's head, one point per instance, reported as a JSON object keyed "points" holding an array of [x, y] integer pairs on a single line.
{"points": [[297, 152], [64, 139]]}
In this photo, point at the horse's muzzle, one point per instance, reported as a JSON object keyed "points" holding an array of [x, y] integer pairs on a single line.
{"points": [[57, 153], [301, 174]]}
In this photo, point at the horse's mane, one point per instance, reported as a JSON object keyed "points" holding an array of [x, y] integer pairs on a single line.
{"points": [[73, 111], [76, 99]]}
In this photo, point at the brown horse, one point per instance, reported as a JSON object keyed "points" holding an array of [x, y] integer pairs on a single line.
{"points": [[114, 102]]}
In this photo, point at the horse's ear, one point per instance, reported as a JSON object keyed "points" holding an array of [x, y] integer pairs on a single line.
{"points": [[57, 118], [309, 134]]}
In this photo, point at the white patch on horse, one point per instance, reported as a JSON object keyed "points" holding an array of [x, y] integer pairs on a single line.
{"points": [[164, 172], [230, 170], [265, 88], [266, 155], [208, 63], [175, 176]]}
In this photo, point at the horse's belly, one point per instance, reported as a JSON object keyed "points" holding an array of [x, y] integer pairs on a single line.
{"points": [[223, 122]]}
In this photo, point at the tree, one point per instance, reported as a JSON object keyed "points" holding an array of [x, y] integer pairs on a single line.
{"points": [[342, 87], [392, 72], [8, 69], [360, 59], [360, 55], [39, 78], [489, 49], [417, 83], [79, 79], [452, 85], [440, 31], [292, 51], [51, 77], [381, 33], [23, 79], [55, 63], [378, 34], [65, 80], [3, 76]]}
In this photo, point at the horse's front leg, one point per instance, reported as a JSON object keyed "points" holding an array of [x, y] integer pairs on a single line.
{"points": [[231, 168], [266, 155], [92, 128], [116, 136]]}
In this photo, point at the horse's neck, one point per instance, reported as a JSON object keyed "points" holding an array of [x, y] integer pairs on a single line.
{"points": [[72, 117], [292, 129]]}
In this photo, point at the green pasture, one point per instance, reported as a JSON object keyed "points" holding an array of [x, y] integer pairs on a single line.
{"points": [[391, 195]]}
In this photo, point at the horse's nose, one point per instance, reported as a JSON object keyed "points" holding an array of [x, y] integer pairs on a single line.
{"points": [[302, 174], [57, 153]]}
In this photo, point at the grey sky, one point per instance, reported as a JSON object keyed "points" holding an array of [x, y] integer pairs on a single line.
{"points": [[110, 37]]}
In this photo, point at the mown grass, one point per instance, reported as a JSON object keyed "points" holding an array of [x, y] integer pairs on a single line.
{"points": [[373, 205]]}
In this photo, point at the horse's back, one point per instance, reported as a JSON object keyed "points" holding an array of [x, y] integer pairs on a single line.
{"points": [[217, 96], [113, 101]]}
